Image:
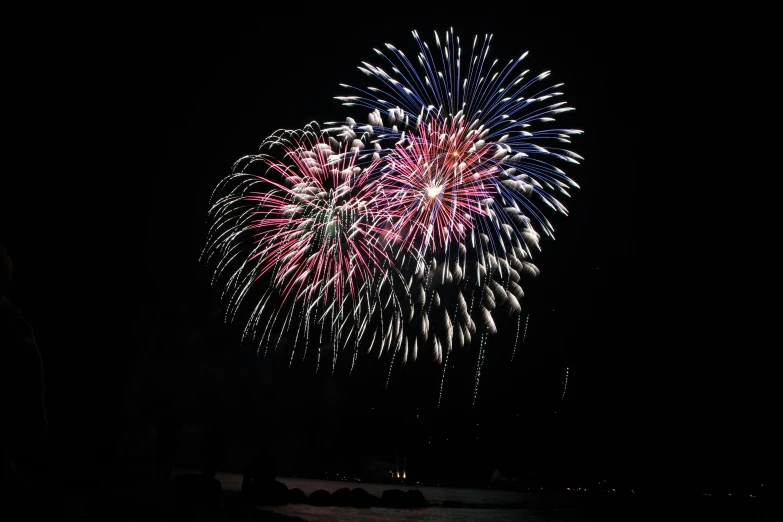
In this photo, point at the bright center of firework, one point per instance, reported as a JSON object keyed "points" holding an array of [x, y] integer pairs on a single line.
{"points": [[433, 191]]}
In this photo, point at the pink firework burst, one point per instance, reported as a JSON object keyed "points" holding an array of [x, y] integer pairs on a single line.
{"points": [[436, 181], [319, 229], [310, 232]]}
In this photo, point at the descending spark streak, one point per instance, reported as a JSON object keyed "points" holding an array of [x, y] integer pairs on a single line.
{"points": [[524, 334], [516, 338], [479, 366], [443, 378], [565, 384]]}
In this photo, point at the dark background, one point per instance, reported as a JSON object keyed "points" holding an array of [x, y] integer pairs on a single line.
{"points": [[652, 295]]}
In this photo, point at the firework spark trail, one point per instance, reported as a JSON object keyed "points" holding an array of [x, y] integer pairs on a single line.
{"points": [[443, 378], [565, 384], [479, 366], [524, 334]]}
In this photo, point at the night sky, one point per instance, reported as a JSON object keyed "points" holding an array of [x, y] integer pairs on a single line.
{"points": [[641, 295]]}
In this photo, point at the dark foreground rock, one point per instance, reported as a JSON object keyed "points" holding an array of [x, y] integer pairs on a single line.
{"points": [[415, 498], [341, 497], [403, 499], [320, 497], [297, 496], [393, 498], [360, 498]]}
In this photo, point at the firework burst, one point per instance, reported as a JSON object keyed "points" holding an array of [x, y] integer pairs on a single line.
{"points": [[471, 152], [413, 230], [436, 184], [310, 228]]}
